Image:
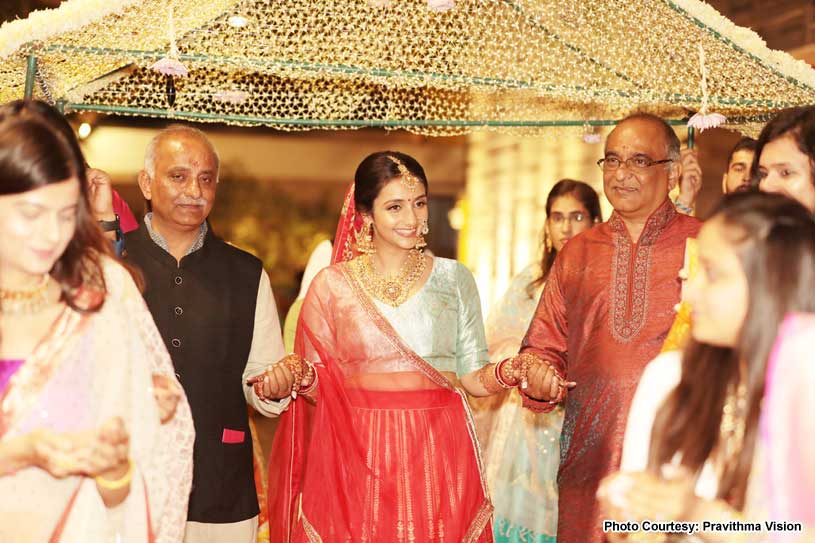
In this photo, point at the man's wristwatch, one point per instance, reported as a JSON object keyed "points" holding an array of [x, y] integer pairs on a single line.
{"points": [[110, 226], [687, 210]]}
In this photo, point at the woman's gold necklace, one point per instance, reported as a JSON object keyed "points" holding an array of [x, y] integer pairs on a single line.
{"points": [[731, 429], [393, 289], [26, 302]]}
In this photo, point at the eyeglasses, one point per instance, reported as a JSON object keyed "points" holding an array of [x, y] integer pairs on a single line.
{"points": [[576, 217], [636, 163]]}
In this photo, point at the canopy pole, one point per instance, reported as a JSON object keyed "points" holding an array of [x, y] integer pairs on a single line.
{"points": [[31, 69], [691, 137]]}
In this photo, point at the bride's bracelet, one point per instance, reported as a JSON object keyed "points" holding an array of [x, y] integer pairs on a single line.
{"points": [[500, 376], [522, 363], [302, 370], [311, 375]]}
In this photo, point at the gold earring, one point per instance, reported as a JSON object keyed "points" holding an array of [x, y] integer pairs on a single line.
{"points": [[365, 241], [420, 241], [547, 241]]}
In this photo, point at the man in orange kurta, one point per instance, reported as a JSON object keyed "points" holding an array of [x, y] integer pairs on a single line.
{"points": [[605, 312]]}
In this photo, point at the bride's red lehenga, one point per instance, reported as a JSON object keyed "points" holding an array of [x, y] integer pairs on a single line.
{"points": [[388, 453]]}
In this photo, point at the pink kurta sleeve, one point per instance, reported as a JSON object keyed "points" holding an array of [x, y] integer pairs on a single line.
{"points": [[547, 337]]}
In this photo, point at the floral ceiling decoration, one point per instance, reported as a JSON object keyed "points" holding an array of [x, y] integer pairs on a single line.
{"points": [[429, 66]]}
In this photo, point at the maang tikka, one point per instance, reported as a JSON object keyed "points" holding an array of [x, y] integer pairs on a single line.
{"points": [[408, 180]]}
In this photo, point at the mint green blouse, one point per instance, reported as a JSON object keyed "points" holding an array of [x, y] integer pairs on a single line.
{"points": [[442, 322]]}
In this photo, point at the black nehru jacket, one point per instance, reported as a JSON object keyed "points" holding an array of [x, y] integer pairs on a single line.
{"points": [[204, 308]]}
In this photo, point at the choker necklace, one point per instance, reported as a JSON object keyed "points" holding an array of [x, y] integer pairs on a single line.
{"points": [[25, 302], [393, 289]]}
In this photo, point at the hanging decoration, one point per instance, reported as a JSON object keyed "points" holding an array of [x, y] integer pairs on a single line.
{"points": [[704, 120], [590, 135], [231, 96], [440, 6], [170, 66]]}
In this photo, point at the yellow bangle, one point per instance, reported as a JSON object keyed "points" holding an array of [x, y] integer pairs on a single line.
{"points": [[119, 483]]}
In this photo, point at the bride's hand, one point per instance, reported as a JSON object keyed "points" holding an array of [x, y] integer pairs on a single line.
{"points": [[275, 383], [543, 383]]}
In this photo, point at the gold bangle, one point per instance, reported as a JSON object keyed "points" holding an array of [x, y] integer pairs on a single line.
{"points": [[119, 483]]}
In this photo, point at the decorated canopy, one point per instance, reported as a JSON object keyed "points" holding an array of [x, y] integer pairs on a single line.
{"points": [[430, 66]]}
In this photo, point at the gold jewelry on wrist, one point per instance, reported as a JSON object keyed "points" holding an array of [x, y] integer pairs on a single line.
{"points": [[302, 371], [116, 484], [521, 363], [501, 378], [311, 376]]}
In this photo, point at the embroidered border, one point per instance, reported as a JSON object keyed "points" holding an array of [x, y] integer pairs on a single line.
{"points": [[26, 384], [288, 496], [385, 327], [485, 511], [311, 533], [346, 252], [479, 523], [627, 321], [468, 418]]}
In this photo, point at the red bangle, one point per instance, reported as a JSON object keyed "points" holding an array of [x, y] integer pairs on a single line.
{"points": [[313, 384], [498, 377]]}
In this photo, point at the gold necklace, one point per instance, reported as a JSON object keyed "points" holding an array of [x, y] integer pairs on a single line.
{"points": [[25, 302], [731, 429], [393, 289]]}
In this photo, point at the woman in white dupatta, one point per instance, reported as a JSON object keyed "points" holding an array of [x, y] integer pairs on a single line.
{"points": [[95, 434], [522, 448]]}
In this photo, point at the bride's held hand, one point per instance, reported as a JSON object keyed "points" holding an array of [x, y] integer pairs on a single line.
{"points": [[289, 376], [543, 383], [273, 384]]}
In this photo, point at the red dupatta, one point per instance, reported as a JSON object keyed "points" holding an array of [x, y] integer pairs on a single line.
{"points": [[332, 468]]}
